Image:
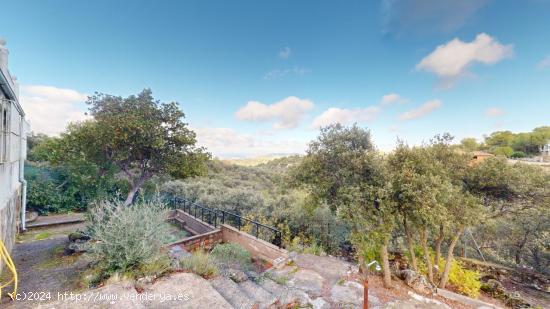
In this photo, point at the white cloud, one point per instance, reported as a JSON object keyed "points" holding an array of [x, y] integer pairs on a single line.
{"points": [[494, 112], [49, 109], [452, 60], [392, 98], [285, 53], [422, 110], [544, 63], [279, 73], [345, 116], [227, 143], [286, 113]]}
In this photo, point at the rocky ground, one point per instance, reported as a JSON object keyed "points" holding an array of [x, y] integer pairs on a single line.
{"points": [[305, 281]]}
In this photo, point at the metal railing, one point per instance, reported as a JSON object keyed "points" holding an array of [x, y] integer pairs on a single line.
{"points": [[216, 217]]}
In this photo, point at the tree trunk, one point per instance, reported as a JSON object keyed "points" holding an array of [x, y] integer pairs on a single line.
{"points": [[130, 198], [518, 256], [136, 185], [427, 257], [385, 262], [410, 244], [438, 242], [445, 275]]}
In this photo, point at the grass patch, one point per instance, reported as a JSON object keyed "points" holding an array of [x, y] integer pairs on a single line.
{"points": [[232, 255], [201, 264], [281, 280], [42, 236]]}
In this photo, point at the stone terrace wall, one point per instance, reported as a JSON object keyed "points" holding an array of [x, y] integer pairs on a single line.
{"points": [[194, 225], [204, 241], [257, 247]]}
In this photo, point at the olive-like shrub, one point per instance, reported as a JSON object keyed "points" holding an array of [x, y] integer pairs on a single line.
{"points": [[126, 239]]}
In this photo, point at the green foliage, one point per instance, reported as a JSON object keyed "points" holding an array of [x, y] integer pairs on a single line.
{"points": [[334, 161], [138, 136], [41, 236], [125, 239], [469, 144], [464, 280], [232, 254], [501, 142], [506, 151], [300, 245], [518, 154], [200, 263]]}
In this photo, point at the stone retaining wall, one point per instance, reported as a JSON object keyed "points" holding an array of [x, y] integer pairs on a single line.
{"points": [[194, 225], [204, 241], [9, 223], [257, 247]]}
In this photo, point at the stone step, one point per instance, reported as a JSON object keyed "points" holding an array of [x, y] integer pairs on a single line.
{"points": [[257, 293], [284, 294], [232, 293]]}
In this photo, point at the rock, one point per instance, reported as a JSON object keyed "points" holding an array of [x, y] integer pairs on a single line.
{"points": [[408, 275], [416, 281], [493, 287], [348, 293], [75, 247], [319, 303], [292, 256], [307, 280], [252, 275], [178, 253], [515, 301], [74, 236], [237, 275]]}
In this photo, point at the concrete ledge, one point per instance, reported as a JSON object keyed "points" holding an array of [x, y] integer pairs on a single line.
{"points": [[43, 221], [257, 247], [204, 241], [193, 224], [466, 300]]}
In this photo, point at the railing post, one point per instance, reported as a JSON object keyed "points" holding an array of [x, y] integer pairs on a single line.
{"points": [[223, 217], [257, 227]]}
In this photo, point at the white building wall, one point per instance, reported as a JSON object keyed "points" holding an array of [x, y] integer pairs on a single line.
{"points": [[11, 186]]}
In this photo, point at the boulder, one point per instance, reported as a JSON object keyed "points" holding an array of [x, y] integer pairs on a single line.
{"points": [[494, 287], [176, 254], [78, 235], [237, 275], [415, 280]]}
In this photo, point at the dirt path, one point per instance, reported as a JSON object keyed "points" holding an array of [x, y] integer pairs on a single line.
{"points": [[42, 267]]}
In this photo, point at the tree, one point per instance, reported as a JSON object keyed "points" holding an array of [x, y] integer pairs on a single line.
{"points": [[469, 144], [342, 170], [333, 161], [137, 135]]}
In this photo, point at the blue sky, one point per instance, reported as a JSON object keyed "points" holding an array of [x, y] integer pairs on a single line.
{"points": [[258, 78]]}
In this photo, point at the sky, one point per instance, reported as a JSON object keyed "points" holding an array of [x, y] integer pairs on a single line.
{"points": [[260, 78]]}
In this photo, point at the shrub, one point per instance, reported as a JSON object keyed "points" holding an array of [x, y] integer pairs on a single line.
{"points": [[518, 154], [231, 254], [201, 264], [126, 239], [464, 280], [308, 247], [503, 151]]}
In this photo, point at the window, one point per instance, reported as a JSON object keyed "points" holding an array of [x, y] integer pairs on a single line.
{"points": [[4, 129]]}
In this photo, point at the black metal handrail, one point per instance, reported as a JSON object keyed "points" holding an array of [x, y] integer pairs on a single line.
{"points": [[216, 217]]}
